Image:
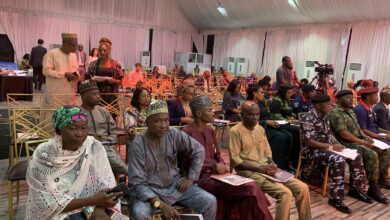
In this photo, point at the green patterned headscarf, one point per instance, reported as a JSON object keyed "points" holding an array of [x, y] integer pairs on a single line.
{"points": [[68, 114]]}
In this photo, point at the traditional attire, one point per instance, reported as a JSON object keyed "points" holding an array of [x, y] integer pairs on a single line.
{"points": [[56, 176], [250, 201], [102, 125], [55, 64], [134, 118], [154, 171], [251, 146]]}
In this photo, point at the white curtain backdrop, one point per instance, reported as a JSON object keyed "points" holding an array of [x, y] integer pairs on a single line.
{"points": [[166, 43], [323, 43], [245, 44], [370, 44], [199, 41]]}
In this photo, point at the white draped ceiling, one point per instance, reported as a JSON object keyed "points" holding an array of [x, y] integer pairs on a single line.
{"points": [[291, 30]]}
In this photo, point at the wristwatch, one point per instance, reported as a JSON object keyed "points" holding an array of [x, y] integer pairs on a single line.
{"points": [[157, 203]]}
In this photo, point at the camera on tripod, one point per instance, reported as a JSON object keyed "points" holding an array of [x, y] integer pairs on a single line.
{"points": [[323, 69]]}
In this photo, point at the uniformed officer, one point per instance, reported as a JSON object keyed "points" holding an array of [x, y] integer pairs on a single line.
{"points": [[319, 143], [302, 102], [368, 123], [346, 129]]}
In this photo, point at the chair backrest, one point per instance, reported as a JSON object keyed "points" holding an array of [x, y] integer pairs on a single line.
{"points": [[31, 124]]}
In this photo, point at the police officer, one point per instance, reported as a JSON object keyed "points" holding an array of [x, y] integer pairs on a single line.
{"points": [[302, 103], [319, 143], [346, 129]]}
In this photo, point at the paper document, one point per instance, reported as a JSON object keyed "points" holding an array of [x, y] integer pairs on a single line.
{"points": [[380, 144], [191, 217], [232, 179], [280, 176], [347, 153], [282, 122]]}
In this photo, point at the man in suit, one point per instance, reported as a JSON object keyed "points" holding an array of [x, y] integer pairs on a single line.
{"points": [[81, 58], [36, 58], [381, 110]]}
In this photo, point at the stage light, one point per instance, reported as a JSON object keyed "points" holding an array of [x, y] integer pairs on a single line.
{"points": [[222, 10]]}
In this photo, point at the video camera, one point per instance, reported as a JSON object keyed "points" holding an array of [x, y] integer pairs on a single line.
{"points": [[323, 69]]}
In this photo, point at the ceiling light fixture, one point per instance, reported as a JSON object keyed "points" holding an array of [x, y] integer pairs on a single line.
{"points": [[293, 4], [222, 10]]}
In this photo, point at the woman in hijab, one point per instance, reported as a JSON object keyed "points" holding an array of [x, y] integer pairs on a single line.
{"points": [[69, 176]]}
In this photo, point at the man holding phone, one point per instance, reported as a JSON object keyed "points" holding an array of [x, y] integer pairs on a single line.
{"points": [[61, 70]]}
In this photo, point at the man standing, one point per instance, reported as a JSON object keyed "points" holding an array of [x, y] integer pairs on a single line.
{"points": [[101, 125], [283, 74], [346, 128], [154, 169], [382, 110], [81, 58], [136, 77], [249, 199], [302, 103], [319, 143], [251, 156], [36, 59], [61, 68]]}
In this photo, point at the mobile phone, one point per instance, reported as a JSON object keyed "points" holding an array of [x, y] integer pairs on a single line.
{"points": [[121, 187]]}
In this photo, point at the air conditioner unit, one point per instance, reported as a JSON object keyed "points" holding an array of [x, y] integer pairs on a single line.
{"points": [[309, 73], [144, 58], [231, 65], [355, 72], [242, 66]]}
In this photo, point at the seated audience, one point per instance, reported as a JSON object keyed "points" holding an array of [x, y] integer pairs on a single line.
{"points": [[136, 77], [205, 81], [231, 101], [279, 138], [248, 198], [302, 103], [280, 109], [182, 73], [367, 118], [382, 111], [101, 125], [155, 74], [135, 115], [280, 106], [154, 170], [351, 87], [179, 109], [252, 79], [345, 126], [250, 155], [267, 81], [319, 143], [69, 175], [224, 80], [303, 82]]}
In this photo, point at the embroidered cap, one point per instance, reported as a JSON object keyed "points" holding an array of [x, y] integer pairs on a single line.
{"points": [[87, 85], [200, 100], [156, 107]]}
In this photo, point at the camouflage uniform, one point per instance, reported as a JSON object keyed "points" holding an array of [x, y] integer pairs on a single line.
{"points": [[317, 128], [341, 119]]}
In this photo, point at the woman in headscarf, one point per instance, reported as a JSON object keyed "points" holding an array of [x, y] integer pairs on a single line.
{"points": [[69, 176]]}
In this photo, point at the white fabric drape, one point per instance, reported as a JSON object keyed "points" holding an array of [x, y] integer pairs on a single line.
{"points": [[245, 44], [323, 43], [166, 43], [370, 43]]}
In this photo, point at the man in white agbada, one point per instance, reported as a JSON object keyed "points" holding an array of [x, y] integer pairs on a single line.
{"points": [[69, 176], [60, 67]]}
